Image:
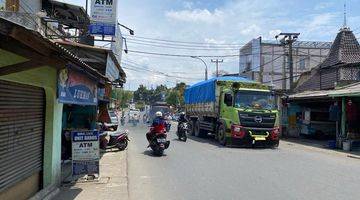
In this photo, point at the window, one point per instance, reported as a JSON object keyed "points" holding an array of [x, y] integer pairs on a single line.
{"points": [[302, 63], [228, 99]]}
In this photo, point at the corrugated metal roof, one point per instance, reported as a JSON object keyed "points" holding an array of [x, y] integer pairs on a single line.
{"points": [[350, 90], [310, 94]]}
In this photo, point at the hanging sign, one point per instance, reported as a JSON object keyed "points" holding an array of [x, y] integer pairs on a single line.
{"points": [[103, 17], [85, 152], [76, 88]]}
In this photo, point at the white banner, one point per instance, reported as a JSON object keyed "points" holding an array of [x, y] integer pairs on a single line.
{"points": [[103, 11]]}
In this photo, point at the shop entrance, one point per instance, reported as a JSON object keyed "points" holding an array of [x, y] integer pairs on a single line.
{"points": [[22, 122]]}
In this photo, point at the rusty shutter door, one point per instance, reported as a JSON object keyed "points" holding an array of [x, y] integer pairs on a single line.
{"points": [[22, 118]]}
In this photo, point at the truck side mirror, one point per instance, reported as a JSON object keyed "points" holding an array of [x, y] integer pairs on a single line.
{"points": [[228, 99]]}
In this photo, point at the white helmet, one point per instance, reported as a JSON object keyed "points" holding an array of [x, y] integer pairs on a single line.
{"points": [[158, 114]]}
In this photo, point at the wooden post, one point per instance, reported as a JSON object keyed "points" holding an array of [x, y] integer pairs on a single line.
{"points": [[343, 117]]}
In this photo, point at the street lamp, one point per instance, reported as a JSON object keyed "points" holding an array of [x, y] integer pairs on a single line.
{"points": [[206, 67]]}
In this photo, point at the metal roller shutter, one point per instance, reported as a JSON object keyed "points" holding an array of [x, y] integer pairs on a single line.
{"points": [[21, 132]]}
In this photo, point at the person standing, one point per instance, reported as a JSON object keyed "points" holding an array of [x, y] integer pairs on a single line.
{"points": [[351, 116]]}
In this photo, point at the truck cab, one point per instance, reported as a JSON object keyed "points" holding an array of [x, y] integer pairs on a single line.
{"points": [[248, 117]]}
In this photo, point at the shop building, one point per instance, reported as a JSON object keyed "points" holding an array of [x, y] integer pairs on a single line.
{"points": [[321, 106], [30, 112]]}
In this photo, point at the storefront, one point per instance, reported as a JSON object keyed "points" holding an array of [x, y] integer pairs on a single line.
{"points": [[329, 115], [78, 92]]}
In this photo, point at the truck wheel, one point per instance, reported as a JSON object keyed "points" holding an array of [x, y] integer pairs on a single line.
{"points": [[197, 129], [192, 129], [221, 135]]}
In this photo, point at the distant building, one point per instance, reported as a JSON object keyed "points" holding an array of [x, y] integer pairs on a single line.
{"points": [[266, 61]]}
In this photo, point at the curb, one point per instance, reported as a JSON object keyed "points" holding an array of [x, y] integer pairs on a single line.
{"points": [[321, 149]]}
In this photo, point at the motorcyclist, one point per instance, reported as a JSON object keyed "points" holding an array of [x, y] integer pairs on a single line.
{"points": [[182, 119], [157, 125]]}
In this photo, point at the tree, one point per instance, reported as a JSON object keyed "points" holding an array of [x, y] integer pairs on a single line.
{"points": [[123, 96], [173, 98]]}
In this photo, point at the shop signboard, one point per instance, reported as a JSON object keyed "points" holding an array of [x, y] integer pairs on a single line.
{"points": [[85, 152], [112, 72], [76, 88], [103, 17]]}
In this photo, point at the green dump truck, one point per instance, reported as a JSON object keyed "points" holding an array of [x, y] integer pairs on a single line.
{"points": [[235, 110]]}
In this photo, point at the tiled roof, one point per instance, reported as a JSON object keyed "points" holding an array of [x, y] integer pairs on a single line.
{"points": [[345, 49]]}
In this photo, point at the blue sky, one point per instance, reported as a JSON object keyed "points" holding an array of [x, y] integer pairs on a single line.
{"points": [[221, 22]]}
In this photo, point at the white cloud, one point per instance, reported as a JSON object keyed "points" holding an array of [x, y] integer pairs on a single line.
{"points": [[188, 4], [273, 33], [323, 5], [196, 15], [252, 30]]}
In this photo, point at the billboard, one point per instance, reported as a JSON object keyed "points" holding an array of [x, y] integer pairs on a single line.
{"points": [[103, 17], [76, 88]]}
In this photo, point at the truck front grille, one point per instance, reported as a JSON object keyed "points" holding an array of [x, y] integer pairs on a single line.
{"points": [[259, 120]]}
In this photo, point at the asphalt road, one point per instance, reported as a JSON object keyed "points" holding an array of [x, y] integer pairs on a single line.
{"points": [[201, 169]]}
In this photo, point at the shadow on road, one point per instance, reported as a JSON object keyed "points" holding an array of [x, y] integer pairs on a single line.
{"points": [[68, 193], [151, 154], [208, 140], [212, 141]]}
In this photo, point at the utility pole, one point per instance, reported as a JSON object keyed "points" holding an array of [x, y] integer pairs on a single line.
{"points": [[217, 61], [287, 40]]}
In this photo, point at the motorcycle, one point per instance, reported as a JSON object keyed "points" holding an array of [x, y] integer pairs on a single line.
{"points": [[168, 126], [117, 140], [182, 132], [157, 140], [134, 123], [122, 121]]}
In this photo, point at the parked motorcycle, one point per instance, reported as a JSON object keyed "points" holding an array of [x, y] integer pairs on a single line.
{"points": [[182, 132], [117, 140], [157, 140]]}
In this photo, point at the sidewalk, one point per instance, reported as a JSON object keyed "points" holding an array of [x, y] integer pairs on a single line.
{"points": [[113, 183], [319, 146]]}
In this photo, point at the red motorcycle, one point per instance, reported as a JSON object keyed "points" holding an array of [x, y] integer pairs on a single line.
{"points": [[157, 139]]}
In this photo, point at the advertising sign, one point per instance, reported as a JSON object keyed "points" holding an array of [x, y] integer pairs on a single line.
{"points": [[112, 72], [103, 17], [85, 152], [76, 88]]}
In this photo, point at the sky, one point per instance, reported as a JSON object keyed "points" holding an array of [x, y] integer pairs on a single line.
{"points": [[216, 27]]}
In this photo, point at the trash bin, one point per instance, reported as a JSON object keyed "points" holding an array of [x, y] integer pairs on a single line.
{"points": [[347, 145]]}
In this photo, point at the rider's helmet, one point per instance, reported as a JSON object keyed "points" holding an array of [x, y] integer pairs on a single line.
{"points": [[182, 114], [158, 114]]}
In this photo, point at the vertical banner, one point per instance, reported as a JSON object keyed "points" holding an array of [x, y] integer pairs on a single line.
{"points": [[85, 152], [103, 17]]}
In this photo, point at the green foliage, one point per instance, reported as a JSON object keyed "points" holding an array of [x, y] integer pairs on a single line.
{"points": [[174, 96], [123, 96]]}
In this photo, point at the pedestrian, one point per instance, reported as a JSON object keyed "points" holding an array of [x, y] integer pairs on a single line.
{"points": [[351, 116]]}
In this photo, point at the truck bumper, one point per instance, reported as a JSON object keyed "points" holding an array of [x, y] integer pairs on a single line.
{"points": [[249, 141]]}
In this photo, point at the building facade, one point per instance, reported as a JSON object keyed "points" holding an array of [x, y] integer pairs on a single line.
{"points": [[267, 61]]}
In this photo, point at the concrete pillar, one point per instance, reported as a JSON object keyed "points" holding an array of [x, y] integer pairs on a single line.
{"points": [[343, 117]]}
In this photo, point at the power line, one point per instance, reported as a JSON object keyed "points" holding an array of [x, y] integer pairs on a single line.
{"points": [[181, 42], [158, 72], [180, 47], [182, 55]]}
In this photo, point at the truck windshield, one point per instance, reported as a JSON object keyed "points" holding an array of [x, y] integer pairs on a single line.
{"points": [[254, 99]]}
